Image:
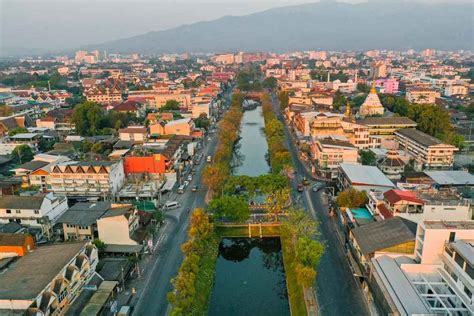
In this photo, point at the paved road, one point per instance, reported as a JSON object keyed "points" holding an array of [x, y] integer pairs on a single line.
{"points": [[337, 290], [152, 300]]}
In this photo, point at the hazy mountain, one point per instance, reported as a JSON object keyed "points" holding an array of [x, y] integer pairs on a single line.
{"points": [[330, 26]]}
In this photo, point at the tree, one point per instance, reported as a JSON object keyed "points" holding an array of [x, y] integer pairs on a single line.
{"points": [[305, 275], [367, 157], [97, 148], [22, 153], [276, 202], [270, 83], [87, 118], [46, 144], [284, 99], [309, 251], [200, 227], [227, 207], [17, 130], [215, 175], [202, 121], [5, 110], [170, 105], [101, 246], [158, 216], [339, 100], [362, 87], [351, 198]]}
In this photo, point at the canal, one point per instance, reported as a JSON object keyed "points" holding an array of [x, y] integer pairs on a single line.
{"points": [[250, 155], [250, 278]]}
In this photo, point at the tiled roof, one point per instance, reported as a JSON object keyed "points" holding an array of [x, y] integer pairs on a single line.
{"points": [[394, 196], [419, 137], [393, 120], [21, 202]]}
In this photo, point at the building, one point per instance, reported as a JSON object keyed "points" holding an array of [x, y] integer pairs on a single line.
{"points": [[8, 144], [134, 134], [329, 154], [422, 96], [13, 245], [427, 151], [392, 165], [389, 86], [225, 59], [372, 105], [64, 271], [362, 178], [153, 164], [378, 69], [37, 212], [456, 90], [183, 126], [386, 126], [118, 226], [85, 180], [423, 204]]}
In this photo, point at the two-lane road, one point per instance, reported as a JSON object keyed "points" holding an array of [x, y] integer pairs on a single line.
{"points": [[337, 290]]}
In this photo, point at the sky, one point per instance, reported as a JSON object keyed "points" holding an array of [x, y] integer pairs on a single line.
{"points": [[64, 24]]}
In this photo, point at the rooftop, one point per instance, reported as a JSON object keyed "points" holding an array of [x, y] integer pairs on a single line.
{"points": [[390, 120], [21, 202], [383, 234], [419, 137], [451, 177], [460, 225], [22, 280], [365, 175]]}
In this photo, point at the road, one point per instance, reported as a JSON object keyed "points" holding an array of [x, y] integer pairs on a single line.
{"points": [[152, 300], [337, 290]]}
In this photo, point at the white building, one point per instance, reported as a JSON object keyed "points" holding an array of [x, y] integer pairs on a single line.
{"points": [[118, 225], [41, 212], [458, 89]]}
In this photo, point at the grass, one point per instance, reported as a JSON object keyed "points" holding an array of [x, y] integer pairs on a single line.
{"points": [[295, 291], [205, 278]]}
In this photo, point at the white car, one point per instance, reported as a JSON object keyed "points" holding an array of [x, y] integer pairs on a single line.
{"points": [[190, 178], [171, 205]]}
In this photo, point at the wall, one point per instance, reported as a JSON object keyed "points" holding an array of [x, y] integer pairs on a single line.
{"points": [[153, 164], [114, 230]]}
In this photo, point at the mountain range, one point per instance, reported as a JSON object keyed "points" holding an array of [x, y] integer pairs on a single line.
{"points": [[328, 26]]}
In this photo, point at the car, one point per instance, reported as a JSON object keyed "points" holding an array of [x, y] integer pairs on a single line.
{"points": [[317, 186], [305, 181], [300, 187], [181, 189], [194, 188], [209, 159], [193, 171], [171, 205], [190, 178], [186, 183]]}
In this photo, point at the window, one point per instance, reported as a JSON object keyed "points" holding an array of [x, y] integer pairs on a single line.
{"points": [[37, 211], [452, 236], [9, 211], [18, 211]]}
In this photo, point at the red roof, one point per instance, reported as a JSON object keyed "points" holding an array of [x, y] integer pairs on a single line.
{"points": [[384, 211], [127, 106], [394, 196]]}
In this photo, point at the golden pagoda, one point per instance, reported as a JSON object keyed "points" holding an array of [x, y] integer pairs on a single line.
{"points": [[371, 105]]}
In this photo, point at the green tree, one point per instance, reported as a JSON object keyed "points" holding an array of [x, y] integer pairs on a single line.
{"points": [[270, 83], [202, 121], [227, 207], [101, 246], [97, 148], [17, 130], [87, 118], [351, 198], [362, 87], [284, 99], [339, 100], [276, 202], [367, 157], [171, 105], [22, 154], [306, 276], [309, 251]]}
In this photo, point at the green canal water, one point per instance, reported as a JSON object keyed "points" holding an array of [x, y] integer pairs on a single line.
{"points": [[250, 278]]}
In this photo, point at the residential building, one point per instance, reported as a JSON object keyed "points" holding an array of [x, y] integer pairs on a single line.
{"points": [[98, 179], [15, 245], [225, 59], [134, 134], [48, 280], [378, 69], [8, 144], [389, 86], [118, 226], [183, 126], [372, 105], [362, 178], [329, 154], [422, 95], [37, 212], [427, 151], [456, 90]]}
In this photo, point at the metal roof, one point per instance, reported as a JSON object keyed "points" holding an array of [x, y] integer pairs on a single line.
{"points": [[365, 175], [451, 177]]}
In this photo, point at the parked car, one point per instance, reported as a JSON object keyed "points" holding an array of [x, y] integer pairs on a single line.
{"points": [[317, 186], [209, 159], [171, 205], [190, 178], [181, 189], [194, 188], [305, 181], [300, 187]]}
